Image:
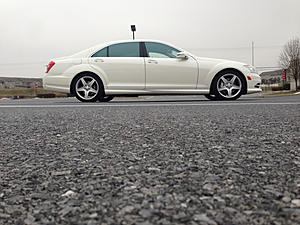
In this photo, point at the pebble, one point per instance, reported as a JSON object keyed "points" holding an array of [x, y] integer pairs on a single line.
{"points": [[61, 173], [4, 216], [69, 194], [296, 202], [286, 199], [93, 216], [202, 218]]}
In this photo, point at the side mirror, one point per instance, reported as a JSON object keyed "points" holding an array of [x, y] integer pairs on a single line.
{"points": [[182, 55]]}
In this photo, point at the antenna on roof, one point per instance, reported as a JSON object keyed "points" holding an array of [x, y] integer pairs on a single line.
{"points": [[133, 29]]}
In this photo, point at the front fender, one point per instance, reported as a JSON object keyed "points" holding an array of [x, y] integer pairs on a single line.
{"points": [[225, 66]]}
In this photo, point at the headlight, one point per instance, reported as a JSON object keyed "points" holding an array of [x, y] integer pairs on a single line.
{"points": [[250, 68]]}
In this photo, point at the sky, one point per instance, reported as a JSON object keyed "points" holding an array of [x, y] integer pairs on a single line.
{"points": [[32, 32]]}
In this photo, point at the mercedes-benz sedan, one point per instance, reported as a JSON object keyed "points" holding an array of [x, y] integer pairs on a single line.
{"points": [[146, 67]]}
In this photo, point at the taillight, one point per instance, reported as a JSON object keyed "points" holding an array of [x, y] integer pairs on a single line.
{"points": [[50, 65]]}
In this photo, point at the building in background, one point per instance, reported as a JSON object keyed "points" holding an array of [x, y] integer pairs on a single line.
{"points": [[273, 77]]}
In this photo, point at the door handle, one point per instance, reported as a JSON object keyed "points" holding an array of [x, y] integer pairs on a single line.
{"points": [[152, 61], [99, 60]]}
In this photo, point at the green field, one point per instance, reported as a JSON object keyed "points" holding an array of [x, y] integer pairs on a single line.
{"points": [[280, 93], [27, 92]]}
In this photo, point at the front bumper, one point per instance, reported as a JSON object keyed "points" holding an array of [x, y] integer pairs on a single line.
{"points": [[253, 85]]}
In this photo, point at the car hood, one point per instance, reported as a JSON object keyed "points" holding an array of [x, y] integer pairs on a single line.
{"points": [[218, 61]]}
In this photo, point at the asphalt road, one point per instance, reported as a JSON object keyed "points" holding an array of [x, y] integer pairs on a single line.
{"points": [[153, 160]]}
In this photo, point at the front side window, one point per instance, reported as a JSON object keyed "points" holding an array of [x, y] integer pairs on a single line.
{"points": [[158, 50], [131, 49], [101, 53]]}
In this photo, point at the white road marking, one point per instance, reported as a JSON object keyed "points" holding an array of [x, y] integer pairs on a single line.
{"points": [[79, 105]]}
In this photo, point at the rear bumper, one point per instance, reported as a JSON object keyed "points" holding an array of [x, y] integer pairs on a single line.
{"points": [[56, 89], [56, 83]]}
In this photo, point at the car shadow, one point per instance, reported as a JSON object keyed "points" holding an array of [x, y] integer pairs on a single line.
{"points": [[176, 101], [143, 101]]}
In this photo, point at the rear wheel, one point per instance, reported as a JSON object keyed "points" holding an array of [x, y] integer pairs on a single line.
{"points": [[107, 98], [88, 88], [228, 85]]}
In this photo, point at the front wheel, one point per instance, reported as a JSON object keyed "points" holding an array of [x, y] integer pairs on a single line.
{"points": [[228, 85], [88, 88]]}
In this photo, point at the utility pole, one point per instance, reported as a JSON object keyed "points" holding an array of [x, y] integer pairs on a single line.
{"points": [[252, 53]]}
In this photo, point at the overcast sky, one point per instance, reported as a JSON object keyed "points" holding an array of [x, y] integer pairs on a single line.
{"points": [[34, 31]]}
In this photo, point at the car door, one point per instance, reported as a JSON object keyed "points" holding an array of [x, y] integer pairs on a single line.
{"points": [[122, 65], [165, 72]]}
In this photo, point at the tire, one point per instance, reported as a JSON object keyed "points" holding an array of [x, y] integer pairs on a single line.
{"points": [[88, 87], [228, 85], [106, 98], [211, 97]]}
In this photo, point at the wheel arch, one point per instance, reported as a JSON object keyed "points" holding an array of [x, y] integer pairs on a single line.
{"points": [[229, 69], [81, 73]]}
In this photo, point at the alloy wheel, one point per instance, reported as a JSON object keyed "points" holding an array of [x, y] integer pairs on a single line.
{"points": [[87, 88], [229, 86]]}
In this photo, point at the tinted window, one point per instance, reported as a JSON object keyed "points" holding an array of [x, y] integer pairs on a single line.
{"points": [[158, 50], [101, 53], [124, 50]]}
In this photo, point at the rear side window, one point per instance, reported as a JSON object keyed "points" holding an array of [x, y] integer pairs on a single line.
{"points": [[158, 50], [101, 53], [131, 49]]}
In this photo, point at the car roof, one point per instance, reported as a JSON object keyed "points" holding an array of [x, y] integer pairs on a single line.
{"points": [[105, 44], [90, 51]]}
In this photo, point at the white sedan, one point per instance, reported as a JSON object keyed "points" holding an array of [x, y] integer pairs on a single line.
{"points": [[146, 67]]}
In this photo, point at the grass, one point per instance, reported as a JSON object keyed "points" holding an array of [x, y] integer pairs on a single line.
{"points": [[280, 93], [27, 92]]}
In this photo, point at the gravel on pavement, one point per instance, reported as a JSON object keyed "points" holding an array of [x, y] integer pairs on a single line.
{"points": [[150, 165]]}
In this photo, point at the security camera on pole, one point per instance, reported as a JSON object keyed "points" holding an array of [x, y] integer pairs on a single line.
{"points": [[133, 29]]}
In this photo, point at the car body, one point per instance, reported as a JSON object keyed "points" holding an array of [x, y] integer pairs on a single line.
{"points": [[147, 67]]}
